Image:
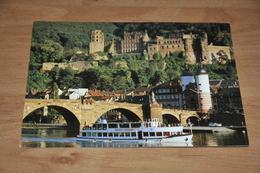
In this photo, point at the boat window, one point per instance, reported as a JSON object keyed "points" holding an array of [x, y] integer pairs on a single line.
{"points": [[158, 133], [127, 133], [133, 134], [145, 133], [136, 125], [89, 134], [94, 126], [152, 133], [116, 134], [124, 125], [104, 126], [122, 134], [112, 125], [94, 134], [105, 134], [99, 134], [166, 133], [100, 126], [110, 134], [83, 134]]}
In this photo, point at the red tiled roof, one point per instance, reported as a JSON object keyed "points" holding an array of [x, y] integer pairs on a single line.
{"points": [[104, 98], [95, 92]]}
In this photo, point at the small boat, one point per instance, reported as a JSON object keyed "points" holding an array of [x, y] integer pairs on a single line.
{"points": [[151, 130]]}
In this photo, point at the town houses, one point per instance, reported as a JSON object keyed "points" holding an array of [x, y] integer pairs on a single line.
{"points": [[192, 92]]}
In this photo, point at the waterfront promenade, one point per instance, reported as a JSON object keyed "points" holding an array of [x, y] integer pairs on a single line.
{"points": [[221, 128]]}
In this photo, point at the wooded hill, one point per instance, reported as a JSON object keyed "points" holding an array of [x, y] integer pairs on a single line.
{"points": [[58, 41]]}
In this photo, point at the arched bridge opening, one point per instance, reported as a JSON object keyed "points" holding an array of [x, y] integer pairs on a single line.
{"points": [[120, 115], [193, 120], [72, 121], [170, 119]]}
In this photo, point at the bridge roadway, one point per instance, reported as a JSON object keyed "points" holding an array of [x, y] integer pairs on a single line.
{"points": [[77, 112]]}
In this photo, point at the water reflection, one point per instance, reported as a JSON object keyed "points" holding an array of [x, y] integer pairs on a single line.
{"points": [[59, 137]]}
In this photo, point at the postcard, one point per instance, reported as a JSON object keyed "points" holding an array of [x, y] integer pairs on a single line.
{"points": [[107, 85]]}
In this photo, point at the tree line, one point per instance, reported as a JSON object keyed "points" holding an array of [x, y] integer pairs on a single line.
{"points": [[108, 76]]}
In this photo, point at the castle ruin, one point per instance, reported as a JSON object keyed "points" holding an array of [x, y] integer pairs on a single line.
{"points": [[194, 46]]}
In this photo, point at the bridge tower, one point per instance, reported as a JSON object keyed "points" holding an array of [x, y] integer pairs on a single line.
{"points": [[202, 82], [186, 77]]}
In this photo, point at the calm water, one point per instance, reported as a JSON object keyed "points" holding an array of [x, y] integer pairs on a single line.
{"points": [[51, 137]]}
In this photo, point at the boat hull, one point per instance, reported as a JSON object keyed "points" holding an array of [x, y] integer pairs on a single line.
{"points": [[170, 139]]}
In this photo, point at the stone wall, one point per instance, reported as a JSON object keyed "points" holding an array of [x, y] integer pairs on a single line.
{"points": [[79, 65]]}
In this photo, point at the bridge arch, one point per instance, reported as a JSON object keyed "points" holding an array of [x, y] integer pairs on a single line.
{"points": [[72, 121], [170, 119], [195, 120], [128, 114]]}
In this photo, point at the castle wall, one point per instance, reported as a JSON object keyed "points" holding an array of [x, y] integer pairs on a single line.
{"points": [[79, 65], [165, 46]]}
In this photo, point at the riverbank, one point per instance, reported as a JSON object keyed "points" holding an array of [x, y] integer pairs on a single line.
{"points": [[45, 125], [221, 128]]}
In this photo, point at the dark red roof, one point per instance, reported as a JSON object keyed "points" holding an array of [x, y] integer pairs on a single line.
{"points": [[95, 92]]}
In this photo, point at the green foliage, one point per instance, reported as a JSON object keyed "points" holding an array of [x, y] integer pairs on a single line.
{"points": [[157, 56], [38, 81], [59, 41], [102, 53], [50, 51], [223, 38], [55, 91]]}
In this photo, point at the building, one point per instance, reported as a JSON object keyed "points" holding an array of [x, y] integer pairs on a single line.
{"points": [[194, 46], [77, 93], [97, 41], [196, 94], [169, 94]]}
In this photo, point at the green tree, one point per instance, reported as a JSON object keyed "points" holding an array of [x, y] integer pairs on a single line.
{"points": [[157, 55], [55, 90], [38, 81], [47, 52]]}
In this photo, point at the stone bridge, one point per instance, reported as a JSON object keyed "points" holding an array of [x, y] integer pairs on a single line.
{"points": [[76, 112]]}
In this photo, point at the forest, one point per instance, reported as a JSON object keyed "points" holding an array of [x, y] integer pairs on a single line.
{"points": [[59, 41]]}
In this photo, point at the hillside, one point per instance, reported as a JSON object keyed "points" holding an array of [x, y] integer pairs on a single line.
{"points": [[58, 42]]}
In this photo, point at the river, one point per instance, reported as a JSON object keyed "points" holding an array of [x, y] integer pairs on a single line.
{"points": [[57, 137]]}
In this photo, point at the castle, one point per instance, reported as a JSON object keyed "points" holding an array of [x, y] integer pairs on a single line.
{"points": [[194, 46]]}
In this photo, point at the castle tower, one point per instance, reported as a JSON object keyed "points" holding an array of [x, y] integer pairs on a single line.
{"points": [[97, 41], [202, 81], [186, 77], [204, 48]]}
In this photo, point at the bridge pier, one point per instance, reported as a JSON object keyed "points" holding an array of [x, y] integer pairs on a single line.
{"points": [[153, 111]]}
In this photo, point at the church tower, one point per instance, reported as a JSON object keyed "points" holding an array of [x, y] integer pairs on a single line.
{"points": [[202, 81]]}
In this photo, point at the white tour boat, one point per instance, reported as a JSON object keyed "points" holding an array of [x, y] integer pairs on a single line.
{"points": [[148, 131]]}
